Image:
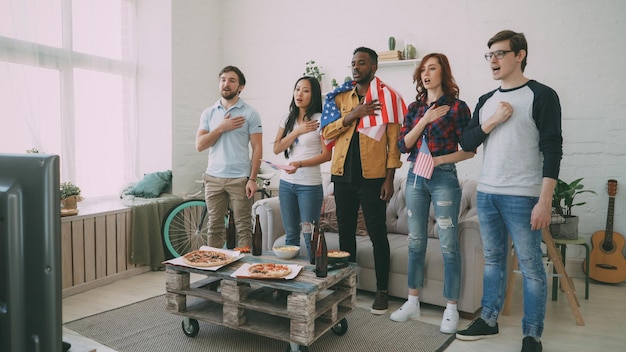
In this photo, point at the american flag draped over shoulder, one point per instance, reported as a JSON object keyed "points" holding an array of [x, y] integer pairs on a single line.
{"points": [[330, 113], [424, 163], [392, 110]]}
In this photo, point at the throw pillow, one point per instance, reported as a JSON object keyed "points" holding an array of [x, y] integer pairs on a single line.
{"points": [[328, 217], [152, 185]]}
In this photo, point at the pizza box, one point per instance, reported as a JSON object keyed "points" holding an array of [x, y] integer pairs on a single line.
{"points": [[179, 261], [242, 272]]}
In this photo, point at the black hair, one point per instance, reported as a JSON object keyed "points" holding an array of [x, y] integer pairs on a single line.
{"points": [[294, 111], [373, 55]]}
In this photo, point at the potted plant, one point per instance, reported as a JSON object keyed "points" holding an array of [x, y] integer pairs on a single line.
{"points": [[312, 70], [70, 196], [564, 224]]}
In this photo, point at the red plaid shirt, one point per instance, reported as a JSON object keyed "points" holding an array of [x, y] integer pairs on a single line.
{"points": [[443, 135]]}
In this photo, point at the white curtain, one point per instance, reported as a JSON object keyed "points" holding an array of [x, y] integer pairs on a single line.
{"points": [[67, 87]]}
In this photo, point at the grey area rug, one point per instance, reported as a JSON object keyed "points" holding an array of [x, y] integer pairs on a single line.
{"points": [[146, 326]]}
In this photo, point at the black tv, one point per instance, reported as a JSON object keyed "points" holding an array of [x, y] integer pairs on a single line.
{"points": [[30, 253]]}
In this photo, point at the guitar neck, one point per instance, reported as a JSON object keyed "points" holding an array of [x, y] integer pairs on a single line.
{"points": [[608, 235]]}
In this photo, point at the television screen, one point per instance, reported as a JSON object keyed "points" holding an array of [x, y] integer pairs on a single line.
{"points": [[30, 253]]}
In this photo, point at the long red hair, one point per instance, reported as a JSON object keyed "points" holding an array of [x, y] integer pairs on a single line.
{"points": [[448, 84]]}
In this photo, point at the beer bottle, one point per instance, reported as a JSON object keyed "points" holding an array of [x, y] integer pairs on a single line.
{"points": [[257, 238], [314, 237], [231, 232], [321, 256]]}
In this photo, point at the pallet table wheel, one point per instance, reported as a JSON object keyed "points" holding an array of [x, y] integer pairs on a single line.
{"points": [[190, 327], [341, 327], [294, 347]]}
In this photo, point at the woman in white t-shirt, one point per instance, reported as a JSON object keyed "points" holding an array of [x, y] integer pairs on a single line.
{"points": [[299, 138]]}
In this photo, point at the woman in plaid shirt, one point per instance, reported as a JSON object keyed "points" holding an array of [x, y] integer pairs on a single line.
{"points": [[436, 120]]}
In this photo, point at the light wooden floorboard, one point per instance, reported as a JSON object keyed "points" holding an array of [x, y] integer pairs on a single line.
{"points": [[603, 313]]}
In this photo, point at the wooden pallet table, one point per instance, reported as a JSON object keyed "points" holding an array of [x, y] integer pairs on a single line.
{"points": [[297, 311]]}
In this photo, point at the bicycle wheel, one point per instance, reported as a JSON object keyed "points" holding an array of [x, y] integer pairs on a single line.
{"points": [[185, 227]]}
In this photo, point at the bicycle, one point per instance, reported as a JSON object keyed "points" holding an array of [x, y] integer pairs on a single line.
{"points": [[186, 226]]}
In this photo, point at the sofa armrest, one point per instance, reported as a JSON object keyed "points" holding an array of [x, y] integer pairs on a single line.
{"points": [[470, 229], [472, 263], [270, 218]]}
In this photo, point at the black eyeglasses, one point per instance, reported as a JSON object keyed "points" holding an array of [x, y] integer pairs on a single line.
{"points": [[499, 54]]}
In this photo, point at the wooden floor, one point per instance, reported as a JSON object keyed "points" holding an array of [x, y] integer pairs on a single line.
{"points": [[604, 315]]}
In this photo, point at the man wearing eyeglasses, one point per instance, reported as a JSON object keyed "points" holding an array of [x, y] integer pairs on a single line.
{"points": [[519, 126]]}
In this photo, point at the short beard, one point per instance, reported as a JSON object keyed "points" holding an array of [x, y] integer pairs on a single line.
{"points": [[230, 96], [366, 79]]}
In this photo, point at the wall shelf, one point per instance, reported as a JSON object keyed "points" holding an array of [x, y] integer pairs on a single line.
{"points": [[411, 62]]}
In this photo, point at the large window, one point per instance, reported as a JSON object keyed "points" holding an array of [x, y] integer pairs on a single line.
{"points": [[67, 87]]}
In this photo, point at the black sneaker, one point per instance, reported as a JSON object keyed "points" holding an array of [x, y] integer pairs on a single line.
{"points": [[381, 303], [66, 346], [529, 344], [478, 329]]}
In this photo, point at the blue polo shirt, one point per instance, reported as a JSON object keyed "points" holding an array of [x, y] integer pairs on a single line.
{"points": [[229, 157]]}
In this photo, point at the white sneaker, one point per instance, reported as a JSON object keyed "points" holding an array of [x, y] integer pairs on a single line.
{"points": [[406, 312], [450, 321]]}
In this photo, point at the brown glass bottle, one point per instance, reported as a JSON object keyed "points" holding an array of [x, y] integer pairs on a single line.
{"points": [[257, 238], [231, 232], [321, 256], [314, 237]]}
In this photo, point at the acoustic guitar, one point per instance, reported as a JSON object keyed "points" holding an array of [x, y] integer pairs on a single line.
{"points": [[606, 260]]}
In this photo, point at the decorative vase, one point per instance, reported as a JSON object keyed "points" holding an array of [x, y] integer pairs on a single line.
{"points": [[410, 52], [69, 205]]}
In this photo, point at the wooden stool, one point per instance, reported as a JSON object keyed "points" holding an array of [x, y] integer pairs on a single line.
{"points": [[562, 243], [566, 282]]}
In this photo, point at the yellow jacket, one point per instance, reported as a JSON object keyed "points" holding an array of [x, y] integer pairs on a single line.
{"points": [[376, 156]]}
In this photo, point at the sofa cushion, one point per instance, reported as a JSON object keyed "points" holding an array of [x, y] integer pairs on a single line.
{"points": [[397, 219], [151, 185], [328, 217]]}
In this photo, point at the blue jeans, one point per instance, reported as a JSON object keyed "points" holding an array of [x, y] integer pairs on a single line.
{"points": [[299, 204], [445, 193], [499, 214]]}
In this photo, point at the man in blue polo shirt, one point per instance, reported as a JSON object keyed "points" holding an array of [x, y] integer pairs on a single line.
{"points": [[227, 129]]}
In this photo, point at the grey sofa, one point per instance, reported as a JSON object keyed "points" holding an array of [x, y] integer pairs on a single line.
{"points": [[471, 246]]}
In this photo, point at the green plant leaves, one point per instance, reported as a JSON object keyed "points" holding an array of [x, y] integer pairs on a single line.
{"points": [[564, 194], [312, 70], [69, 189]]}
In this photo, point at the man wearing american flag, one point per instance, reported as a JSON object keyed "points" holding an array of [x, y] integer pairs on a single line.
{"points": [[364, 160]]}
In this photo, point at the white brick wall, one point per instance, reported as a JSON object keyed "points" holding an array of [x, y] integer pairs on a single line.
{"points": [[575, 46]]}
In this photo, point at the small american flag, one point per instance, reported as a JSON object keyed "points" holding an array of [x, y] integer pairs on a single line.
{"points": [[424, 163]]}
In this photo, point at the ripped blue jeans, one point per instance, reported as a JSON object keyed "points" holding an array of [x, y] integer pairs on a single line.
{"points": [[444, 192]]}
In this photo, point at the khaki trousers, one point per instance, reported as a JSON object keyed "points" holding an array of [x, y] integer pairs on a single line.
{"points": [[218, 192]]}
